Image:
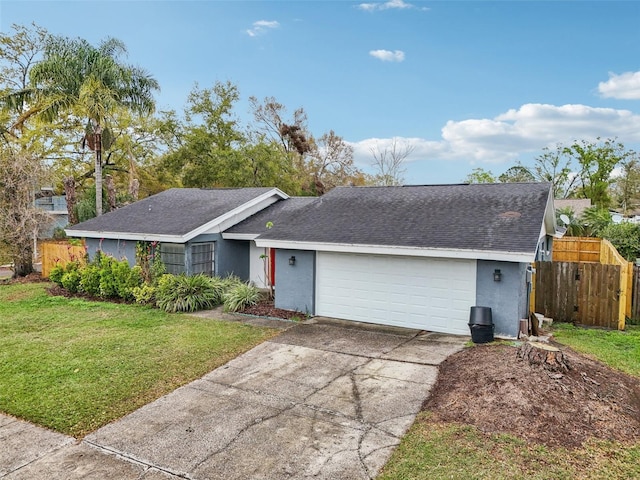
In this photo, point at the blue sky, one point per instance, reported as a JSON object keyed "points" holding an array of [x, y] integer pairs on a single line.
{"points": [[467, 84]]}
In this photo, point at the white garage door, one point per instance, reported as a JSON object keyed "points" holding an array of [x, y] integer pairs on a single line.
{"points": [[416, 292]]}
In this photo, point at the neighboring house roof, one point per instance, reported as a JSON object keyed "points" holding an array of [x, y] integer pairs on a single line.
{"points": [[179, 214], [276, 214], [578, 205], [492, 221]]}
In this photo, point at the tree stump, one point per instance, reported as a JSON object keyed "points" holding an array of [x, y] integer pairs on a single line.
{"points": [[550, 358]]}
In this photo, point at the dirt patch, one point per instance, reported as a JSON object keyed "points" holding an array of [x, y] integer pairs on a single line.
{"points": [[31, 278], [58, 291], [489, 387], [266, 308]]}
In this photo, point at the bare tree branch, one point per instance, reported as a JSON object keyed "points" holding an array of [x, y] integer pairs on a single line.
{"points": [[389, 162]]}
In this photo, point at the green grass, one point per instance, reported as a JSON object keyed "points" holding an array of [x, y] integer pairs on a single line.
{"points": [[433, 450], [620, 350], [74, 365]]}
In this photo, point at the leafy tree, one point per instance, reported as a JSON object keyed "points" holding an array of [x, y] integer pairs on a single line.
{"points": [[625, 237], [480, 175], [19, 52], [596, 162], [595, 220], [516, 174], [555, 167], [88, 82], [267, 165], [626, 186], [206, 154]]}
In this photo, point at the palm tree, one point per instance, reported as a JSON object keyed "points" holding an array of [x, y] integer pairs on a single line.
{"points": [[90, 82]]}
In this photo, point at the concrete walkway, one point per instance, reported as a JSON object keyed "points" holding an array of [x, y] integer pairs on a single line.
{"points": [[325, 400]]}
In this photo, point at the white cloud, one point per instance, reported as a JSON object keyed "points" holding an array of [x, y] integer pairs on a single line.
{"points": [[517, 132], [395, 4], [625, 86], [261, 27], [388, 55]]}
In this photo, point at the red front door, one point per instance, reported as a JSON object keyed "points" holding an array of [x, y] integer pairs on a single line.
{"points": [[272, 266]]}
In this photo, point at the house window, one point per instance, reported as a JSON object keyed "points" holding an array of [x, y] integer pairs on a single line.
{"points": [[202, 258], [172, 255]]}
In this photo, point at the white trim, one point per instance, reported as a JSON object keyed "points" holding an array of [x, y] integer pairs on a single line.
{"points": [[523, 257], [235, 216], [239, 236], [217, 225], [145, 237]]}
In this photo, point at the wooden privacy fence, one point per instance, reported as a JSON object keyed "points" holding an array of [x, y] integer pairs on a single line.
{"points": [[55, 253], [635, 300], [581, 292], [594, 291]]}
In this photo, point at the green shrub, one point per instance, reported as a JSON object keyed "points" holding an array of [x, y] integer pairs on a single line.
{"points": [[181, 293], [59, 271], [144, 294], [56, 273], [625, 237], [125, 278], [71, 280], [59, 234], [108, 285], [90, 279], [241, 296]]}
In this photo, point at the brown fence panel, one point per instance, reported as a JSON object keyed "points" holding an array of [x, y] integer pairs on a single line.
{"points": [[635, 301], [577, 249], [59, 254], [585, 293], [599, 295], [556, 292]]}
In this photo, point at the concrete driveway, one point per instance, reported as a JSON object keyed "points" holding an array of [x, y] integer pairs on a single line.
{"points": [[325, 400]]}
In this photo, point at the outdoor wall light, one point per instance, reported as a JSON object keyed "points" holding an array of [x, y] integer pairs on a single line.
{"points": [[497, 275], [292, 260]]}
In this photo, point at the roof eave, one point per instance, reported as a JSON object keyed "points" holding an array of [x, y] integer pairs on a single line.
{"points": [[497, 255], [215, 225], [142, 237]]}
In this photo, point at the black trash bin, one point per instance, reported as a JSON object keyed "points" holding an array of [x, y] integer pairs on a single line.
{"points": [[481, 325]]}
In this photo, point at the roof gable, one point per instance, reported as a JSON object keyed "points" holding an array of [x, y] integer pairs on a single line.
{"points": [[473, 217], [179, 214], [275, 214]]}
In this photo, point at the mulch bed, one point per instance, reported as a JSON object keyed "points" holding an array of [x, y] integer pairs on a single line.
{"points": [[489, 387], [265, 308]]}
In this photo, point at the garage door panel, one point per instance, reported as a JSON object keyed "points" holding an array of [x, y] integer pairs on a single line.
{"points": [[415, 292]]}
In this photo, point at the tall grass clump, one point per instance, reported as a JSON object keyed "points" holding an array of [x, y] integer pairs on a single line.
{"points": [[241, 296], [182, 293]]}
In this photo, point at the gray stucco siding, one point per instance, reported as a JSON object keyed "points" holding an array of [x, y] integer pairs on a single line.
{"points": [[231, 257], [118, 249], [507, 298], [295, 284]]}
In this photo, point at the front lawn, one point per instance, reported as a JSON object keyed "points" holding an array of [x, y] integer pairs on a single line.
{"points": [[74, 365], [617, 349], [449, 450], [438, 449]]}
